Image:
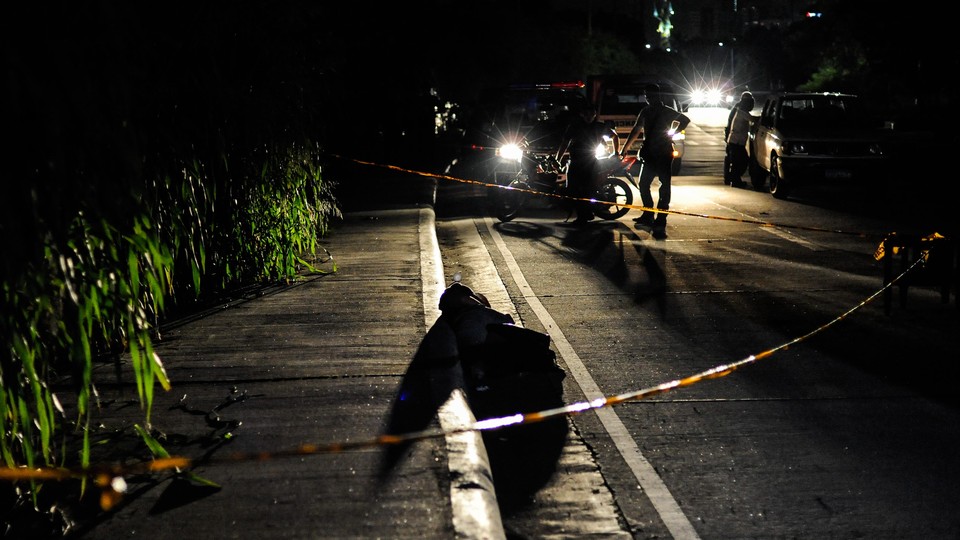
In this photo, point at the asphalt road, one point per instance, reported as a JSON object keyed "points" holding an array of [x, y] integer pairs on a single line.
{"points": [[845, 427]]}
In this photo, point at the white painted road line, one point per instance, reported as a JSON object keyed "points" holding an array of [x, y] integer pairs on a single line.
{"points": [[651, 483]]}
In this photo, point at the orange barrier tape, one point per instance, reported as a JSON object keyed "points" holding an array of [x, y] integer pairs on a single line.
{"points": [[110, 478], [631, 206]]}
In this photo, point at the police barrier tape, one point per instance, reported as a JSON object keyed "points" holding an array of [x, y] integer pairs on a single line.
{"points": [[560, 196], [110, 477]]}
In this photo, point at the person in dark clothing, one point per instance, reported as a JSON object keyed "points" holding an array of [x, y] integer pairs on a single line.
{"points": [[739, 124], [657, 122], [581, 139]]}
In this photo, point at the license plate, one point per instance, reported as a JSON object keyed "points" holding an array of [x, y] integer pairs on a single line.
{"points": [[838, 173]]}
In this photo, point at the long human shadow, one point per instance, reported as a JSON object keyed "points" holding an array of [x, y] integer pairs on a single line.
{"points": [[602, 245], [417, 401]]}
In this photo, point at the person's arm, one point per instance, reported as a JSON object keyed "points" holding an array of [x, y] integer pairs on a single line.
{"points": [[634, 133], [564, 144], [726, 130]]}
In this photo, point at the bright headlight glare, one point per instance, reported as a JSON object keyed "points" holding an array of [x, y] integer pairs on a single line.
{"points": [[714, 96], [600, 151], [510, 152]]}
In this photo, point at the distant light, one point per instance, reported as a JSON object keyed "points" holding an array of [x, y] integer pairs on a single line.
{"points": [[720, 44], [816, 14]]}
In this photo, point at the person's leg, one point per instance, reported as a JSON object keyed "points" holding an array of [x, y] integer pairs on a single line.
{"points": [[579, 185], [584, 210], [666, 176], [728, 166], [647, 174], [739, 165], [663, 201]]}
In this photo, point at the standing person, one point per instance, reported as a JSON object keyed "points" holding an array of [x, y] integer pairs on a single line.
{"points": [[581, 139], [658, 123], [739, 124]]}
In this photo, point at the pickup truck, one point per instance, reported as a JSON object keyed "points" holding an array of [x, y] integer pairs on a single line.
{"points": [[804, 138]]}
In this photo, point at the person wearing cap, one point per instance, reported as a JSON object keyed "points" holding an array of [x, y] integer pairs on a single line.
{"points": [[658, 123], [739, 123]]}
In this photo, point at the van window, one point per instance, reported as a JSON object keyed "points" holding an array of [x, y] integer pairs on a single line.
{"points": [[628, 100]]}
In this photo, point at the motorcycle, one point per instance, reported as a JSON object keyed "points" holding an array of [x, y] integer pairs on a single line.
{"points": [[543, 176]]}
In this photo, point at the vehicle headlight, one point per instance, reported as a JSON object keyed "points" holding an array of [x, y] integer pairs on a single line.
{"points": [[714, 97], [510, 152], [709, 96], [795, 148], [600, 151]]}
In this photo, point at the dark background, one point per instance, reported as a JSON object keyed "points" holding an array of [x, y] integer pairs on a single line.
{"points": [[111, 80]]}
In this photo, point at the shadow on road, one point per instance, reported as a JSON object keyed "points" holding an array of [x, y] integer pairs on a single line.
{"points": [[508, 370]]}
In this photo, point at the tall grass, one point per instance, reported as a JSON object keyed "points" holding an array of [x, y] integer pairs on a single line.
{"points": [[103, 287], [149, 168]]}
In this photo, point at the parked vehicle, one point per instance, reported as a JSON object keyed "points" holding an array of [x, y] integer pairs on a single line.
{"points": [[547, 178], [619, 99], [805, 138], [716, 93], [528, 116]]}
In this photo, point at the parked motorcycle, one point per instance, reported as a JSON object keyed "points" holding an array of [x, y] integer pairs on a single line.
{"points": [[547, 177]]}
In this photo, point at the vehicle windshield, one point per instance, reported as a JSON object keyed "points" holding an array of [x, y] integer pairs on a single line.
{"points": [[623, 101], [528, 106], [628, 100], [819, 111], [536, 113]]}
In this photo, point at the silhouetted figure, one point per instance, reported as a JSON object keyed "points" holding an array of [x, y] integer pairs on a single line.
{"points": [[581, 139], [658, 123], [739, 124]]}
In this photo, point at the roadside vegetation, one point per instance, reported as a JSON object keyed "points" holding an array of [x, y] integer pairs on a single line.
{"points": [[158, 157], [157, 163]]}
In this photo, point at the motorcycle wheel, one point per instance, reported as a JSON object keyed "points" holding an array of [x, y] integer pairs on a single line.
{"points": [[510, 199], [615, 198]]}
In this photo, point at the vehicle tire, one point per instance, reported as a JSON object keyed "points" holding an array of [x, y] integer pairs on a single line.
{"points": [[779, 188], [616, 191], [508, 201], [758, 176]]}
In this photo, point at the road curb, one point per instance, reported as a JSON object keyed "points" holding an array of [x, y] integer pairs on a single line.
{"points": [[473, 500]]}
